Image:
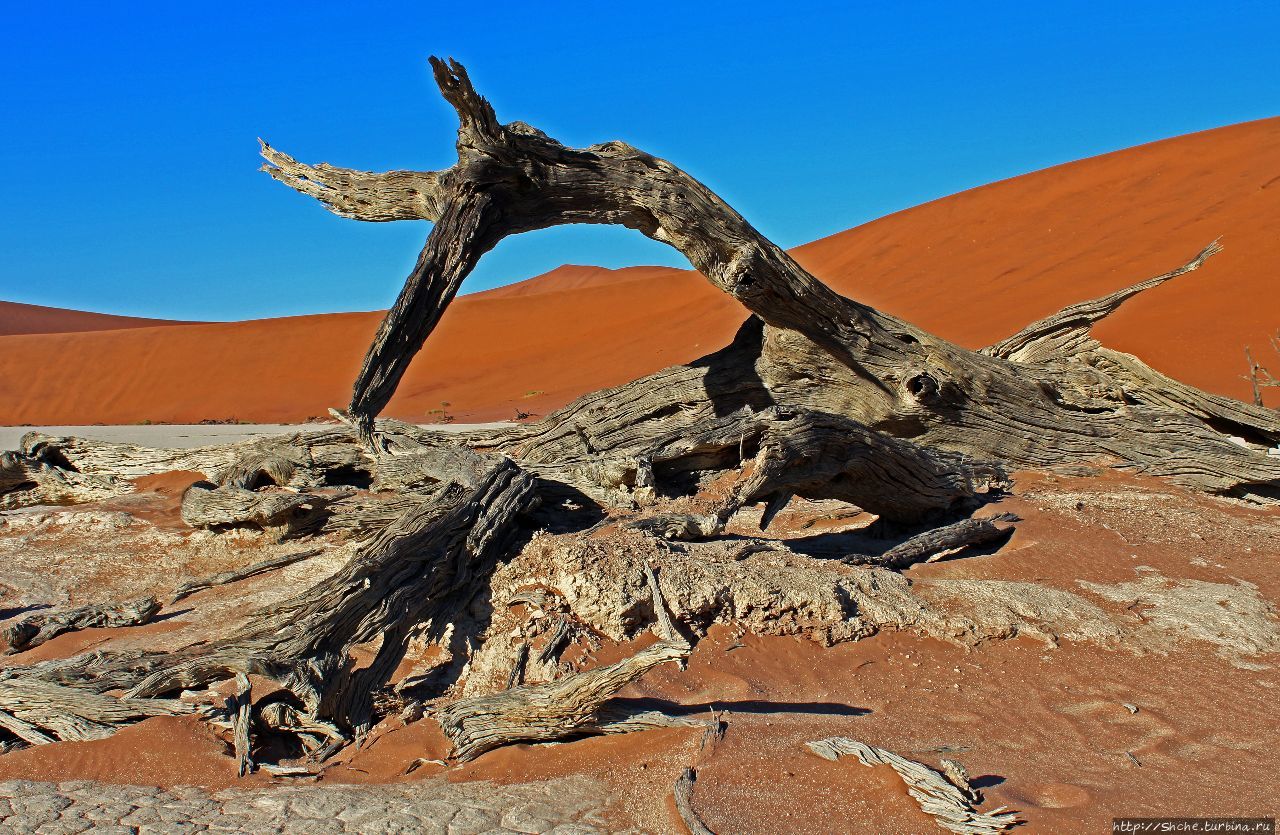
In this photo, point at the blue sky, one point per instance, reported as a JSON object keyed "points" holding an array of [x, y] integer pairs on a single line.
{"points": [[129, 156]]}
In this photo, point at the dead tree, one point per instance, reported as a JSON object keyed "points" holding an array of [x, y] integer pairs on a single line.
{"points": [[817, 396], [1046, 395]]}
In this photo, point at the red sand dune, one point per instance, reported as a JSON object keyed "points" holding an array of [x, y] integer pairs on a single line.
{"points": [[972, 267], [16, 317]]}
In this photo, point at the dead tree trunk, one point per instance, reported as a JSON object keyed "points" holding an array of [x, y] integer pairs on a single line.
{"points": [[1047, 395]]}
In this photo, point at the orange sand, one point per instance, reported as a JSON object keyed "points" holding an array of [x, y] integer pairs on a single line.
{"points": [[32, 318], [972, 267]]}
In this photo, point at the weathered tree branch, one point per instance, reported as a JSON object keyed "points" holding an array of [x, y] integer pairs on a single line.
{"points": [[359, 195], [939, 542], [550, 711]]}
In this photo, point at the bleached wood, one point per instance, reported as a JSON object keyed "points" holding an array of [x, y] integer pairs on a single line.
{"points": [[950, 806]]}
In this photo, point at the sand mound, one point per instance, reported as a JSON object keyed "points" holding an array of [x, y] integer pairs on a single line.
{"points": [[18, 318], [973, 267]]}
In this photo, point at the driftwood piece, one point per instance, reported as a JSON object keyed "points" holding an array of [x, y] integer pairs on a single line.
{"points": [[950, 806], [36, 629], [236, 575], [26, 480], [937, 543], [24, 730], [683, 795]]}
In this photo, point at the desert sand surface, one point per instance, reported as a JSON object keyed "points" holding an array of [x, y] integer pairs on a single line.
{"points": [[973, 267]]}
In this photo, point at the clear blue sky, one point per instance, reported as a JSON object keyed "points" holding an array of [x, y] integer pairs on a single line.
{"points": [[128, 134]]}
